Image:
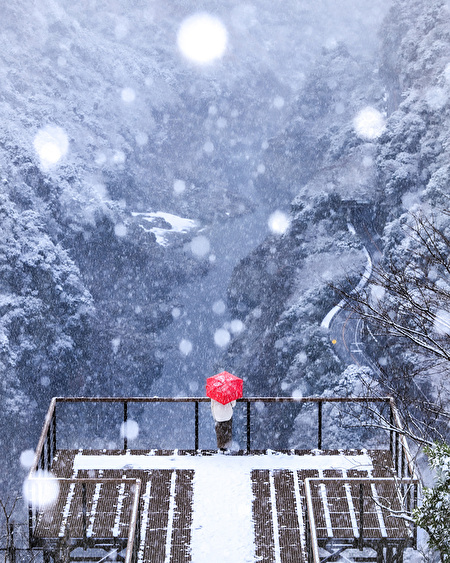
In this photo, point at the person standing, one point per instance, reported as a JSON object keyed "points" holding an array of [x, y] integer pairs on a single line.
{"points": [[223, 417]]}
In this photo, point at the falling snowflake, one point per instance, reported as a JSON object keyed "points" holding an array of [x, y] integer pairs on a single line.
{"points": [[208, 147], [236, 326], [41, 490], [45, 381], [185, 347], [141, 139], [369, 124], [51, 143], [202, 38], [278, 222], [129, 429], [119, 157], [120, 230], [222, 337], [200, 246], [219, 307], [128, 95], [27, 458], [179, 186], [278, 102], [115, 344]]}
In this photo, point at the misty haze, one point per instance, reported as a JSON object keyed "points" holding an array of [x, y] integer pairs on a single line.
{"points": [[191, 187]]}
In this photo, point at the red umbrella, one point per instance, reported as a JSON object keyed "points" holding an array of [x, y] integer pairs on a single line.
{"points": [[224, 387]]}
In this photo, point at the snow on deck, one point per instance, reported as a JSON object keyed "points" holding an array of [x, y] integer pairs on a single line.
{"points": [[222, 524], [245, 463]]}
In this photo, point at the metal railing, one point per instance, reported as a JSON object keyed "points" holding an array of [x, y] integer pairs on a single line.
{"points": [[59, 545], [407, 491], [398, 445]]}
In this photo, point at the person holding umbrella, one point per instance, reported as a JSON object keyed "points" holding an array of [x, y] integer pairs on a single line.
{"points": [[223, 389]]}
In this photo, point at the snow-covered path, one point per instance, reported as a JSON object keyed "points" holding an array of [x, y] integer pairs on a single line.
{"points": [[222, 526]]}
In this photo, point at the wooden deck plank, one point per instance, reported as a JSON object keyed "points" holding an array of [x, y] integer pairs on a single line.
{"points": [[262, 516], [157, 518], [181, 537], [277, 494], [374, 515], [288, 523], [51, 522]]}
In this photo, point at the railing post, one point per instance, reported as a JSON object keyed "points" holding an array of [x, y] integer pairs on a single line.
{"points": [[196, 426], [64, 549], [248, 428], [391, 429], [361, 516], [308, 537], [10, 550], [54, 430], [415, 500], [396, 451], [125, 419], [49, 449], [84, 513], [30, 525], [319, 425]]}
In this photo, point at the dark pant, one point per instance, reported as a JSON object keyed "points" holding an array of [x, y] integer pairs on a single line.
{"points": [[224, 433]]}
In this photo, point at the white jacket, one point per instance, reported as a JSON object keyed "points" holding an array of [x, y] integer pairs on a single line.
{"points": [[220, 412]]}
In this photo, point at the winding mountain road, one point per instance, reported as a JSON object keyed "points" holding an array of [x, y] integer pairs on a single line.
{"points": [[344, 324]]}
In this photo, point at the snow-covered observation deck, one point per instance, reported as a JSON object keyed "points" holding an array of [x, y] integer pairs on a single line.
{"points": [[154, 504]]}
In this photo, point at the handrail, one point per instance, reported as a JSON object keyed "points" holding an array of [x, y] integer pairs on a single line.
{"points": [[313, 542], [48, 442], [134, 515], [386, 399], [44, 436], [133, 538], [404, 444]]}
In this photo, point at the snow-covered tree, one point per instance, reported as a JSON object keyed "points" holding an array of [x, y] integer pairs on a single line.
{"points": [[434, 513], [45, 308], [406, 308]]}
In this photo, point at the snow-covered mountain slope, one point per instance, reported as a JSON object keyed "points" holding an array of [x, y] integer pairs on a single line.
{"points": [[102, 116]]}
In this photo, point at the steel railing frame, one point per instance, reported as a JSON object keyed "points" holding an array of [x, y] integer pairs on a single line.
{"points": [[403, 464], [133, 536], [409, 488]]}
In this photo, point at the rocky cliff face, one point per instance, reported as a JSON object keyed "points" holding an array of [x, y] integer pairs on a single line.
{"points": [[102, 118], [106, 130], [282, 290]]}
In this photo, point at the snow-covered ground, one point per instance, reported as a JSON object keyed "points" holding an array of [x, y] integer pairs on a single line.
{"points": [[176, 224]]}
